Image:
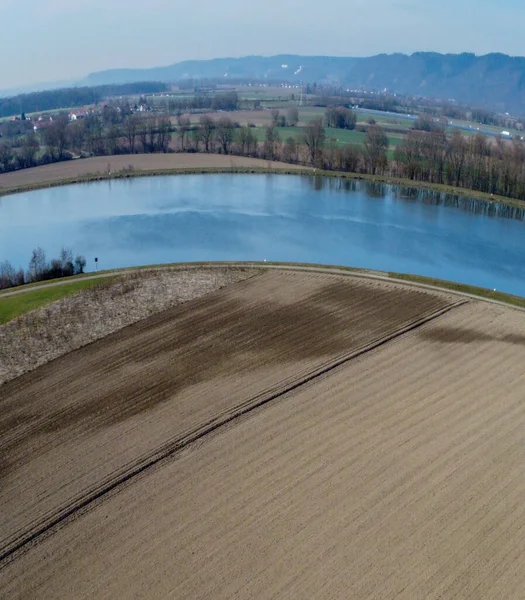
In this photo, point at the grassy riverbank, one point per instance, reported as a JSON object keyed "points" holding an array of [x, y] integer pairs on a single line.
{"points": [[463, 288], [20, 304]]}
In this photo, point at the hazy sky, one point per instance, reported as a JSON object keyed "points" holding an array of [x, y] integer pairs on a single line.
{"points": [[53, 40]]}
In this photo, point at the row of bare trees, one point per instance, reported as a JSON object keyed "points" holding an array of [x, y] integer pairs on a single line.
{"points": [[492, 166], [427, 154], [40, 269]]}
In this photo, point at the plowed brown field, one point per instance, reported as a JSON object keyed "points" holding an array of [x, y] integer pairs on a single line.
{"points": [[51, 174], [85, 421], [398, 473]]}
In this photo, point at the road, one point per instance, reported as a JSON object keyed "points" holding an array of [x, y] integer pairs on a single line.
{"points": [[415, 117]]}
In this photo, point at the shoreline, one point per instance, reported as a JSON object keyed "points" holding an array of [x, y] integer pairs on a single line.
{"points": [[258, 166], [467, 290]]}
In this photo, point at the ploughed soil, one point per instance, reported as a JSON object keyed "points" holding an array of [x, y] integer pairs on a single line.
{"points": [[294, 435], [35, 338], [91, 417], [79, 168]]}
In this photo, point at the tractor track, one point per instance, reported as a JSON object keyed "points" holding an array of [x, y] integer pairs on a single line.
{"points": [[56, 521]]}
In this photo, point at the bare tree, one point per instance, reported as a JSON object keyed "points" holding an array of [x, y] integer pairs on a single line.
{"points": [[340, 117], [66, 262], [6, 158], [55, 136], [183, 129], [375, 147], [28, 150], [408, 155], [293, 116], [330, 153], [245, 140], [163, 133], [93, 134], [76, 135], [290, 150], [240, 139], [478, 153], [151, 129], [433, 151], [196, 137], [428, 123], [37, 265], [112, 138], [251, 143], [207, 130], [313, 138], [142, 134], [80, 264], [348, 158], [271, 142], [110, 115], [130, 131], [7, 275], [225, 133]]}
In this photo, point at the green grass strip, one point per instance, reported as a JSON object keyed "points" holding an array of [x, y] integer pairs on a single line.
{"points": [[20, 304], [464, 288]]}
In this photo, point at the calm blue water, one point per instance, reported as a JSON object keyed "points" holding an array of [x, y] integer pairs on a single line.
{"points": [[273, 217]]}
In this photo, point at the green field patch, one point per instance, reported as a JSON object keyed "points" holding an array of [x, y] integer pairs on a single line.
{"points": [[345, 136], [342, 136], [20, 304], [364, 117], [310, 113], [287, 132], [357, 138]]}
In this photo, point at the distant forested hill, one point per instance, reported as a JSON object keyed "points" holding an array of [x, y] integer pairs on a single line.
{"points": [[73, 96], [494, 80]]}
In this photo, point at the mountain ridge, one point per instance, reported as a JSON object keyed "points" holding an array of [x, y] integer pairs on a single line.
{"points": [[494, 80]]}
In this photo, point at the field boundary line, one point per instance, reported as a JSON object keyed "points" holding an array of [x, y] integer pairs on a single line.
{"points": [[26, 540], [329, 269]]}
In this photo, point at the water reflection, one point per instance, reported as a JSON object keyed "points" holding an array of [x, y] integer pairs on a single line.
{"points": [[474, 206], [376, 190], [273, 217], [427, 197]]}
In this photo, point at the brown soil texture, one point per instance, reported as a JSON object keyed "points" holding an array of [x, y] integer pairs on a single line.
{"points": [[397, 475], [74, 321], [388, 463], [139, 162], [89, 419]]}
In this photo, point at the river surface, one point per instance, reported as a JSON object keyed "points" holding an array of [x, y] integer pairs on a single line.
{"points": [[274, 217]]}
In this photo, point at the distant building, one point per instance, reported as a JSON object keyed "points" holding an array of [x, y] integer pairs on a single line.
{"points": [[74, 115], [41, 124]]}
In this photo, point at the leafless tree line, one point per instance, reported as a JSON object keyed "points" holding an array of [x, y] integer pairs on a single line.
{"points": [[494, 166], [40, 269]]}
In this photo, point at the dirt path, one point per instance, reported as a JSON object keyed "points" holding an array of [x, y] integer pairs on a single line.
{"points": [[397, 475]]}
